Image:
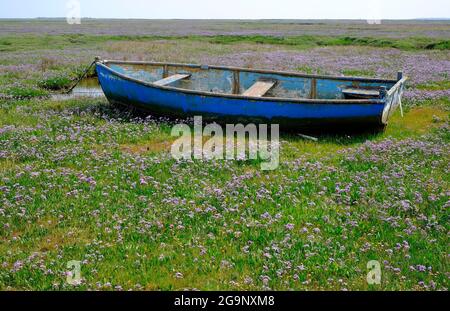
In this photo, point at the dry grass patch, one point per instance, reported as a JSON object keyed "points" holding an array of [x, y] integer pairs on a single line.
{"points": [[158, 146], [62, 237], [417, 121]]}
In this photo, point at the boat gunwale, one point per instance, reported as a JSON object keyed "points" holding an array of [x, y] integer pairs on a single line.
{"points": [[104, 64], [396, 86], [264, 71]]}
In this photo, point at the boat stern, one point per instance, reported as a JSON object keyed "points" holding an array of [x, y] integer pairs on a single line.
{"points": [[393, 98]]}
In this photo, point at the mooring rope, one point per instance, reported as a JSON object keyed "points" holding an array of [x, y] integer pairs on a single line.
{"points": [[82, 76]]}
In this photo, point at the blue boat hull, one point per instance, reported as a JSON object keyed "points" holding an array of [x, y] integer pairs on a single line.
{"points": [[178, 103]]}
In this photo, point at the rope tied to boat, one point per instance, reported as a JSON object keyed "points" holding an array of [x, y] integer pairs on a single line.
{"points": [[83, 75]]}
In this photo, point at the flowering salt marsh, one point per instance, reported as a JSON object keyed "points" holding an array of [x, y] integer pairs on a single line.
{"points": [[22, 66], [387, 29], [82, 180]]}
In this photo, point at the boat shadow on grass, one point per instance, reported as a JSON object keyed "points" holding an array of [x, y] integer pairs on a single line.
{"points": [[335, 135], [101, 108]]}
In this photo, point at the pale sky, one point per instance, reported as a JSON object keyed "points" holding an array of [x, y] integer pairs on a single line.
{"points": [[231, 9]]}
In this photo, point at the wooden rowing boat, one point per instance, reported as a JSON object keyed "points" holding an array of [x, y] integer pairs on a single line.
{"points": [[242, 95]]}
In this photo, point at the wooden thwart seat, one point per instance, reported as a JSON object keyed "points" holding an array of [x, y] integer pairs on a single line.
{"points": [[259, 89], [171, 79], [360, 93]]}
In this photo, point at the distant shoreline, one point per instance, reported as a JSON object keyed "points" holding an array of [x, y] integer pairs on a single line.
{"points": [[443, 19]]}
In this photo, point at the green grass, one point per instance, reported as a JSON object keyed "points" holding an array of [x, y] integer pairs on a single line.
{"points": [[25, 92], [58, 82], [308, 41], [360, 73], [105, 224], [434, 85], [28, 42]]}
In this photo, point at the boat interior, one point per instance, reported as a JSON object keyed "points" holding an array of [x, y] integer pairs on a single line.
{"points": [[252, 83]]}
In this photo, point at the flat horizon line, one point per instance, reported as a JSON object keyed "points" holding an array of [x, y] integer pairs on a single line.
{"points": [[238, 19]]}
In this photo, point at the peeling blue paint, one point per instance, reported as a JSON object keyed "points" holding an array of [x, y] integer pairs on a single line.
{"points": [[186, 101]]}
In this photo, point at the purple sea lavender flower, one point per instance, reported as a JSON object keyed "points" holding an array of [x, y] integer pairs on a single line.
{"points": [[289, 226]]}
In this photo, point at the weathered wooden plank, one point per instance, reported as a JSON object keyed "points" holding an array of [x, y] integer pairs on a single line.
{"points": [[308, 137], [313, 94], [165, 71], [171, 79], [398, 85], [259, 88], [361, 92], [236, 82]]}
